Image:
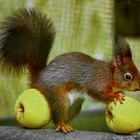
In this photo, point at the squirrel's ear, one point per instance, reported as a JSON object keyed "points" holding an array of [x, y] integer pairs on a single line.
{"points": [[122, 48]]}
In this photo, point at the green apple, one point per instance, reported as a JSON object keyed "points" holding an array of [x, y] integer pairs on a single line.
{"points": [[32, 109], [123, 118]]}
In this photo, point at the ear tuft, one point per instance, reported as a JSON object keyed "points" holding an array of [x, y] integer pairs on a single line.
{"points": [[122, 47]]}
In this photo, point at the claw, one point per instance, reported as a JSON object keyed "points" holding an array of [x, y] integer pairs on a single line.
{"points": [[63, 128], [119, 98], [57, 128]]}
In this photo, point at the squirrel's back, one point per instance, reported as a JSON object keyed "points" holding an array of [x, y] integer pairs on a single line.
{"points": [[75, 68], [25, 41]]}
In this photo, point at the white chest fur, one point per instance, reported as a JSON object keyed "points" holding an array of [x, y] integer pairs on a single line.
{"points": [[74, 95]]}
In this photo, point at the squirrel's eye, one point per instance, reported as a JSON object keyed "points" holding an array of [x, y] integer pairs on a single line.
{"points": [[128, 76]]}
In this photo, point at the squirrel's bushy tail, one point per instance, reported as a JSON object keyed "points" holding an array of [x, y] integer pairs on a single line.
{"points": [[25, 41]]}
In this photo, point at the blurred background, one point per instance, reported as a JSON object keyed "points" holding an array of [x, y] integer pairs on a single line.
{"points": [[82, 25]]}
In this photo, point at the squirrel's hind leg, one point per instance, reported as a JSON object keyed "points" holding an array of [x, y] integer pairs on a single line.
{"points": [[72, 111], [64, 108], [59, 103]]}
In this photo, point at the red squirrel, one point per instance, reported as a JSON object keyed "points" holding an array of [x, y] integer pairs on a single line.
{"points": [[26, 40]]}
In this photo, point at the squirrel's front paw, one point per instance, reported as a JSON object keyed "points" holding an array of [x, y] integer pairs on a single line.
{"points": [[119, 97], [63, 128]]}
